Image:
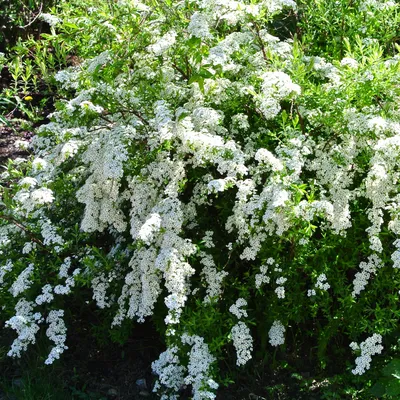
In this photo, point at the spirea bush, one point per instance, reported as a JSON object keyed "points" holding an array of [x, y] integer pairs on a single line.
{"points": [[228, 169]]}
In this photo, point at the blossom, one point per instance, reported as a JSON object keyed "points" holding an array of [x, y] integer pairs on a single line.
{"points": [[198, 26], [368, 348], [276, 333], [236, 309], [50, 19], [243, 342]]}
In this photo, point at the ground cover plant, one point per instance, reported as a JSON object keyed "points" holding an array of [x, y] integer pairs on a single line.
{"points": [[229, 171]]}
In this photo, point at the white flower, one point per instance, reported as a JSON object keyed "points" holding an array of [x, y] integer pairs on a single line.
{"points": [[39, 164], [349, 62], [276, 333], [368, 348], [22, 144], [198, 26], [28, 182], [52, 20], [243, 342], [56, 332], [23, 282], [163, 44], [150, 228], [42, 196], [236, 309]]}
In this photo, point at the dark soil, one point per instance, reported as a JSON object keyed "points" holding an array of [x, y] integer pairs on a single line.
{"points": [[8, 136]]}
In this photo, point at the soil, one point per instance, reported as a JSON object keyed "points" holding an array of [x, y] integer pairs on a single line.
{"points": [[8, 137]]}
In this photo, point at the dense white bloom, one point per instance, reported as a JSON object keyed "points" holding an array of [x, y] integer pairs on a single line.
{"points": [[275, 6], [349, 62], [4, 269], [42, 196], [25, 324], [163, 44], [28, 182], [46, 296], [236, 309], [368, 269], [368, 348], [198, 26], [170, 372], [275, 87], [100, 284], [102, 59], [266, 157], [150, 228], [198, 369], [276, 333], [56, 332], [23, 282], [207, 239], [213, 278], [280, 292], [39, 164], [243, 342], [49, 233], [52, 20]]}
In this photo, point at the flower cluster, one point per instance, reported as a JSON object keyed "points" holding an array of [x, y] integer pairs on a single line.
{"points": [[368, 348]]}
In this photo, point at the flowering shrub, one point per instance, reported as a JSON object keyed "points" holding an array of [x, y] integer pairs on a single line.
{"points": [[211, 170]]}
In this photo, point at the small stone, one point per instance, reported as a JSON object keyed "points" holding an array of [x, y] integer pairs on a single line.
{"points": [[18, 382], [141, 383], [112, 392], [144, 393]]}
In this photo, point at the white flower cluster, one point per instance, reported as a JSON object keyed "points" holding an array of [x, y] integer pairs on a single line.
{"points": [[277, 333], [56, 332], [236, 309], [172, 375], [7, 267], [367, 5], [368, 269], [150, 228], [50, 235], [169, 371], [198, 26], [262, 278], [198, 369], [100, 284], [163, 44], [28, 247], [29, 200], [46, 296], [368, 348], [243, 342], [280, 290], [50, 19], [276, 86], [100, 193], [321, 282], [69, 281], [212, 277], [275, 6], [25, 323], [23, 282], [102, 59]]}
